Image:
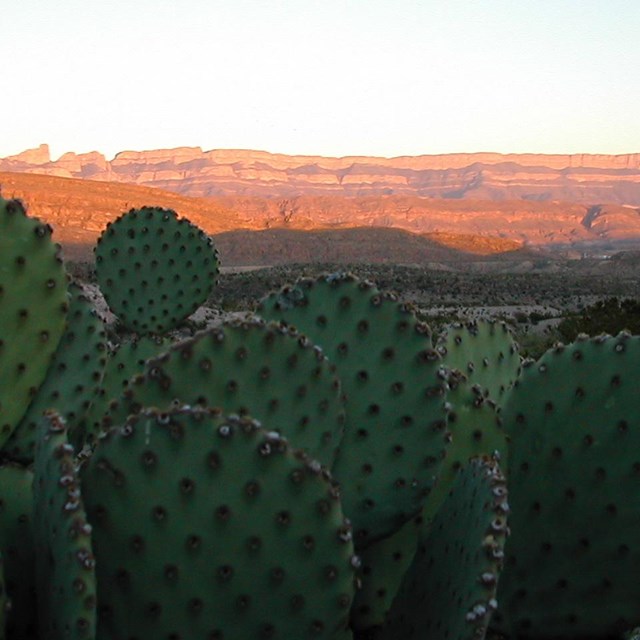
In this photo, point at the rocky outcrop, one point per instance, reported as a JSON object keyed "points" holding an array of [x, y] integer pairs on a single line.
{"points": [[39, 156], [582, 178]]}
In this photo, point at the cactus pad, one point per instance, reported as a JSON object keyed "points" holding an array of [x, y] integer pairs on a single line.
{"points": [[124, 362], [574, 486], [384, 564], [72, 379], [449, 591], [33, 308], [395, 434], [208, 526], [249, 368], [65, 567], [5, 603], [18, 550], [475, 431], [485, 351], [153, 269]]}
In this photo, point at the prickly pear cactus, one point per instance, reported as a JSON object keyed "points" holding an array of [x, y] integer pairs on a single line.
{"points": [[384, 564], [396, 432], [249, 368], [123, 363], [475, 430], [208, 526], [574, 485], [485, 351], [5, 603], [153, 269], [449, 592], [33, 309], [65, 566], [72, 379], [18, 550]]}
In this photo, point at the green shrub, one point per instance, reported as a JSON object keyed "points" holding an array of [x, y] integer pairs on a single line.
{"points": [[605, 316]]}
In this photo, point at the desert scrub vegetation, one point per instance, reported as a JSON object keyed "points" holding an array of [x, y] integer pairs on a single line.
{"points": [[579, 303], [611, 316], [435, 288], [425, 287]]}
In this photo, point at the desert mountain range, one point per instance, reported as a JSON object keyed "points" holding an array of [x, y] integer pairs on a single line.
{"points": [[506, 200], [583, 178]]}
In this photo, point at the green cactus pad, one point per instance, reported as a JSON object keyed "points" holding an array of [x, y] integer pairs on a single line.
{"points": [[72, 379], [33, 308], [208, 526], [18, 550], [384, 564], [123, 363], [574, 485], [65, 566], [249, 368], [485, 351], [396, 433], [475, 431], [153, 269], [449, 591], [5, 603]]}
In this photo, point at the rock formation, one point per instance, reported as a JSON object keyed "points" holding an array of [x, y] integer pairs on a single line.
{"points": [[581, 178]]}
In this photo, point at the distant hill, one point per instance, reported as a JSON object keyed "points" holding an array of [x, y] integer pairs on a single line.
{"points": [[78, 210], [401, 226], [374, 245], [246, 230]]}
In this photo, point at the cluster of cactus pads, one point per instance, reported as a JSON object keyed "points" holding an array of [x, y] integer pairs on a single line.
{"points": [[328, 468]]}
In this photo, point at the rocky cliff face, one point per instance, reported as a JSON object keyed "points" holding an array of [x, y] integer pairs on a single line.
{"points": [[581, 178]]}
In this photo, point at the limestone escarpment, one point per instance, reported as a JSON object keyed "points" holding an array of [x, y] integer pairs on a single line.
{"points": [[580, 178]]}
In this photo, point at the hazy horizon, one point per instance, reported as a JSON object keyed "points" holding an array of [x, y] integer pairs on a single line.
{"points": [[337, 78]]}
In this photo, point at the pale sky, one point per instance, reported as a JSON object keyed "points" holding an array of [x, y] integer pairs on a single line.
{"points": [[326, 77]]}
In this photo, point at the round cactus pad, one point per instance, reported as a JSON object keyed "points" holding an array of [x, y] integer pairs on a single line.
{"points": [[574, 486], [208, 526], [396, 432], [252, 368], [33, 308], [153, 269]]}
